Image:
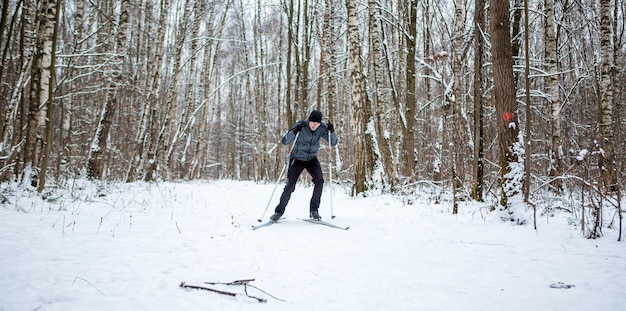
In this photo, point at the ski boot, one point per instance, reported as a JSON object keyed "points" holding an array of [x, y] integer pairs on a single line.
{"points": [[276, 217], [315, 215]]}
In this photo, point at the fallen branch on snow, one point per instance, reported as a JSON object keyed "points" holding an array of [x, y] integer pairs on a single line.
{"points": [[245, 284]]}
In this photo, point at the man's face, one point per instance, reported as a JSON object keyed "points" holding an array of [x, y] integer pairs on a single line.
{"points": [[314, 125]]}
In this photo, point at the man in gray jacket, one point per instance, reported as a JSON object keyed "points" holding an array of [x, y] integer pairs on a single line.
{"points": [[304, 156]]}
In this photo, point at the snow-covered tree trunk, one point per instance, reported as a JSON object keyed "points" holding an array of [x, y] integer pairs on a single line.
{"points": [[383, 99], [504, 92]]}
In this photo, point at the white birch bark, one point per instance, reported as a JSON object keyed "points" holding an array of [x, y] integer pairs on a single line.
{"points": [[552, 90]]}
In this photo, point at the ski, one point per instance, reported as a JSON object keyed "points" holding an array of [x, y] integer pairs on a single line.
{"points": [[313, 221], [325, 223], [266, 224]]}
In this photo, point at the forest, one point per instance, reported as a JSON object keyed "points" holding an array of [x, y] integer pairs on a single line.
{"points": [[507, 102]]}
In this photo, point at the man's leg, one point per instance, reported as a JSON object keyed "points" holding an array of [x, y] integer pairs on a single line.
{"points": [[294, 171], [315, 169]]}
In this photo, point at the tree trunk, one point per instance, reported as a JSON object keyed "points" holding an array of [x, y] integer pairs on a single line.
{"points": [[552, 90], [177, 115], [138, 153], [154, 127], [331, 64], [291, 118], [192, 95], [98, 152], [360, 101], [504, 92], [479, 153], [5, 109], [455, 121], [516, 40], [39, 92], [528, 111], [303, 57], [383, 98], [411, 98], [13, 119], [52, 16], [606, 96]]}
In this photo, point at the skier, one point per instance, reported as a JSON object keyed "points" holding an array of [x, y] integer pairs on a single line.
{"points": [[304, 156]]}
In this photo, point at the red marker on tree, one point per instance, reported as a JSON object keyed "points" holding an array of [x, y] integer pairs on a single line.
{"points": [[507, 116]]}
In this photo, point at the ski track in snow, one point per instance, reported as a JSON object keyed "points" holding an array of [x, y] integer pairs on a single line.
{"points": [[130, 250]]}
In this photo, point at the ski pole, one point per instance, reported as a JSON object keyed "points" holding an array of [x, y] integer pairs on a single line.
{"points": [[330, 175], [279, 178]]}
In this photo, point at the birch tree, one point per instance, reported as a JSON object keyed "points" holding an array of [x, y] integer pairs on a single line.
{"points": [[98, 152], [454, 101], [383, 98], [605, 103], [192, 95], [155, 127], [40, 100], [552, 90], [360, 101], [177, 116], [54, 14]]}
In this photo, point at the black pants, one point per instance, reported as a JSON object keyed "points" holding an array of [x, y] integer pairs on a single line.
{"points": [[295, 169]]}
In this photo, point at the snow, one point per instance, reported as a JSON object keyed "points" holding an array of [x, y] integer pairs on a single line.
{"points": [[512, 125], [129, 247]]}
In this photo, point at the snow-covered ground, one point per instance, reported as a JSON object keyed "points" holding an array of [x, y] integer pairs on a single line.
{"points": [[129, 247]]}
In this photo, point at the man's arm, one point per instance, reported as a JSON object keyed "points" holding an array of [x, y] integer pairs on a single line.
{"points": [[288, 138], [291, 134]]}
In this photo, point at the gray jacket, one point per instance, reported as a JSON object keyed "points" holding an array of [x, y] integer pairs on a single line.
{"points": [[308, 142]]}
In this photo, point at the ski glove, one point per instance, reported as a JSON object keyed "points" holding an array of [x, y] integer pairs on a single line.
{"points": [[297, 127], [331, 127]]}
